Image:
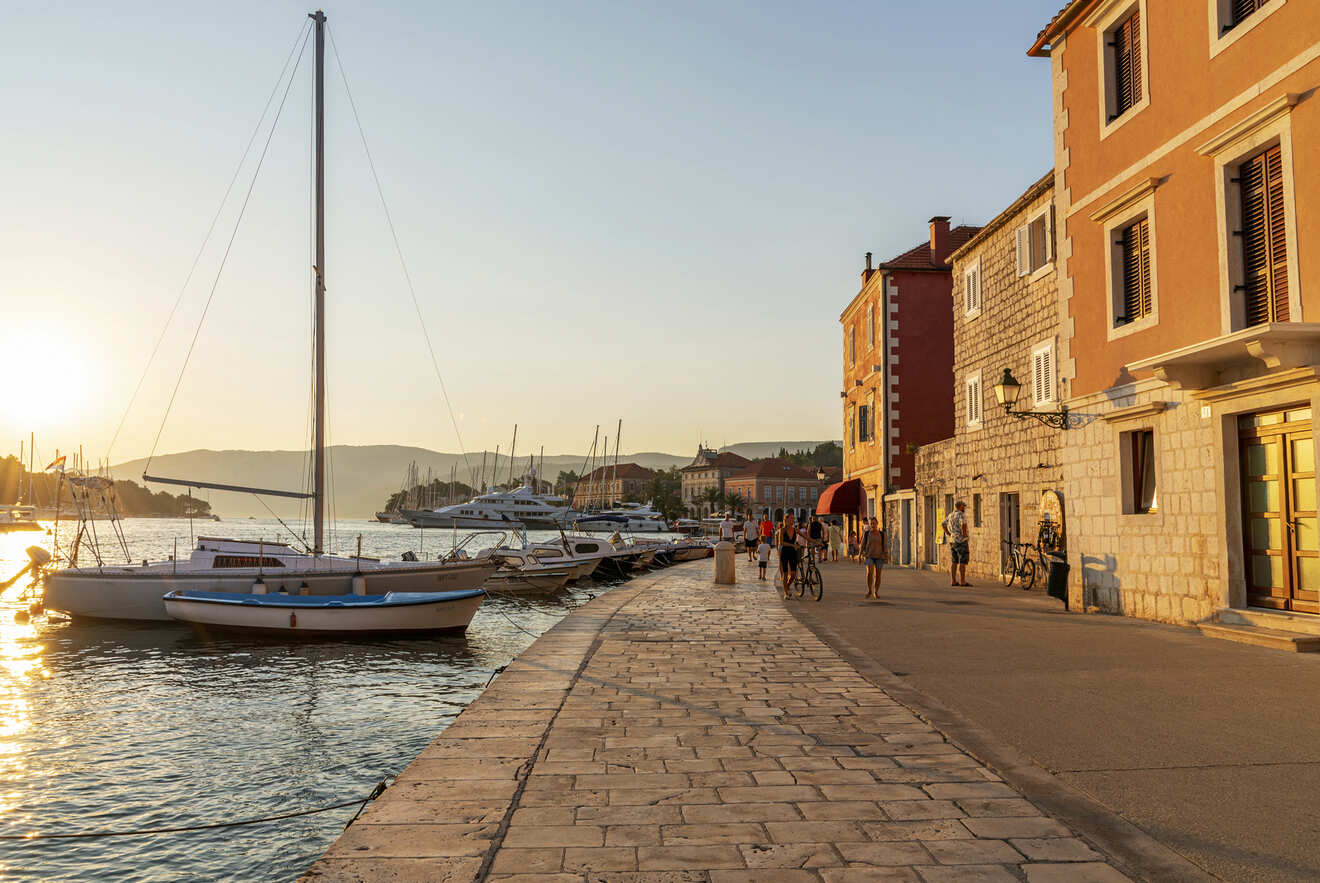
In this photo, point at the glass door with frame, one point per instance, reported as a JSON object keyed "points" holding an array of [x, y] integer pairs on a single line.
{"points": [[1280, 524]]}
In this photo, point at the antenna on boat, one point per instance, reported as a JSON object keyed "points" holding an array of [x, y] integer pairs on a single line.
{"points": [[318, 273]]}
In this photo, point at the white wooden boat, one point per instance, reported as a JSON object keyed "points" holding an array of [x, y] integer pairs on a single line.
{"points": [[394, 613], [133, 591]]}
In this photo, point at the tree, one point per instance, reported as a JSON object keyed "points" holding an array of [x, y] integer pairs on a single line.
{"points": [[665, 490], [566, 481], [713, 497], [734, 502]]}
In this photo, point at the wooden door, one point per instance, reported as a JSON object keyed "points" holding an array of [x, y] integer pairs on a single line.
{"points": [[1280, 525]]}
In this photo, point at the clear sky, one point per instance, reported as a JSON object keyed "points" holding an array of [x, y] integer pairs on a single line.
{"points": [[653, 211]]}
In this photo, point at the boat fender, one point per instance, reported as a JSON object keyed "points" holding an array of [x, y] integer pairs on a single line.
{"points": [[304, 589], [259, 587], [293, 620], [359, 584]]}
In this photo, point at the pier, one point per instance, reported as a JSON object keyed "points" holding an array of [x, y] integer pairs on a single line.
{"points": [[673, 729]]}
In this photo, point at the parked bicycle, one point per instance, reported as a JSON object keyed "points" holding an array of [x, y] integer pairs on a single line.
{"points": [[1021, 566], [807, 579]]}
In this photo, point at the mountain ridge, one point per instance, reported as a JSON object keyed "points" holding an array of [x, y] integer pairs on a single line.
{"points": [[363, 476]]}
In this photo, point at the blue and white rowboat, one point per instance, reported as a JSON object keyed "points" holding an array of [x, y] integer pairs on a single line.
{"points": [[327, 615]]}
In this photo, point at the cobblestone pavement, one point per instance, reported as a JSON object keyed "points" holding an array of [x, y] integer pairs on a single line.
{"points": [[676, 730]]}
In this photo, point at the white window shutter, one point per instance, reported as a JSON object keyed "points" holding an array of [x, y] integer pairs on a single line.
{"points": [[1050, 247], [976, 286], [1023, 250], [1047, 357], [1037, 377]]}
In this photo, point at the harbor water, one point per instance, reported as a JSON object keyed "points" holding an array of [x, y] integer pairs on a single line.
{"points": [[126, 727]]}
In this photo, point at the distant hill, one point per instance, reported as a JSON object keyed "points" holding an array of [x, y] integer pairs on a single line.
{"points": [[363, 476]]}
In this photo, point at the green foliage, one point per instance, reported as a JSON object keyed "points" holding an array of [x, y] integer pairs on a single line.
{"points": [[438, 493], [665, 491], [824, 454], [131, 498]]}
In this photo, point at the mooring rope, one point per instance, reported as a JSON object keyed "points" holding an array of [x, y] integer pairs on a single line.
{"points": [[87, 835]]}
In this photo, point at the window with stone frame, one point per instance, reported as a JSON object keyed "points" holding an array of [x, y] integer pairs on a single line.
{"points": [[1264, 288], [1126, 68], [1138, 461], [976, 510], [972, 290], [972, 406], [870, 327], [1035, 242], [852, 345], [1135, 284], [1043, 380]]}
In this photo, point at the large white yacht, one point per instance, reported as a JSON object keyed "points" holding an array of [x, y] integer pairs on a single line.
{"points": [[626, 517], [523, 506]]}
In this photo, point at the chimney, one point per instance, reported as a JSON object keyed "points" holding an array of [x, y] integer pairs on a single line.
{"points": [[939, 240], [866, 274]]}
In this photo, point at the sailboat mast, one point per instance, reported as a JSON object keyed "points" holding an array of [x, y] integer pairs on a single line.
{"points": [[513, 449], [318, 272]]}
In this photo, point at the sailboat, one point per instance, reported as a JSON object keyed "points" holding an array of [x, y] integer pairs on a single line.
{"points": [[257, 568]]}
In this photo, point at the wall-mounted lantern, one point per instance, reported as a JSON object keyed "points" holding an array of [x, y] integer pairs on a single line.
{"points": [[1007, 391]]}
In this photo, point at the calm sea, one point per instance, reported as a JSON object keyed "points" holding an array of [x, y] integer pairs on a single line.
{"points": [[140, 726]]}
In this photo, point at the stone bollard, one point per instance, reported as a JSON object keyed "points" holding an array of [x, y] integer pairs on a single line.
{"points": [[725, 566]]}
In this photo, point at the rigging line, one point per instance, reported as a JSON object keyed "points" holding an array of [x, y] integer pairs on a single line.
{"points": [[297, 536], [389, 220], [361, 804], [225, 258], [205, 240]]}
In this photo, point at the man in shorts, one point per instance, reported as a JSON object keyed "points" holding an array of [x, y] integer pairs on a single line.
{"points": [[873, 552], [751, 536], [955, 530]]}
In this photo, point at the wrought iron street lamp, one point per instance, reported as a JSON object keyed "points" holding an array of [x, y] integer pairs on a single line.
{"points": [[820, 473], [1007, 391]]}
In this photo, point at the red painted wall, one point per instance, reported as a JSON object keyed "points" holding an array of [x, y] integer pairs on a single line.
{"points": [[924, 372]]}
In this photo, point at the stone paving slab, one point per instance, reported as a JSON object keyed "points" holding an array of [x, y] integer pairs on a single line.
{"points": [[675, 730]]}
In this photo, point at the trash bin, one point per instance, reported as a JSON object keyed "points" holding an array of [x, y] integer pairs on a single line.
{"points": [[1058, 585], [725, 563]]}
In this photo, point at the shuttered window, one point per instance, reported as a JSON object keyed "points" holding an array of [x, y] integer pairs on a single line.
{"points": [[1135, 245], [974, 400], [1264, 239], [972, 290], [1127, 64], [1240, 10], [1042, 375]]}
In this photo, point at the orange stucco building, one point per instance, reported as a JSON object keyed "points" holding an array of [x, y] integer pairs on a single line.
{"points": [[1187, 182]]}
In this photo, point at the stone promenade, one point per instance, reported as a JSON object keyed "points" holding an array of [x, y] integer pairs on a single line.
{"points": [[677, 730]]}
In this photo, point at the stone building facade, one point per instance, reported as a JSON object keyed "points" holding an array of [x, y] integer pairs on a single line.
{"points": [[1005, 468], [773, 486], [708, 471], [610, 485], [1188, 295]]}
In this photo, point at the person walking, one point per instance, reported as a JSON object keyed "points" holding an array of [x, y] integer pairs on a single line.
{"points": [[955, 531], [726, 528], [873, 552], [836, 541], [788, 551], [767, 528], [762, 557], [816, 532], [750, 536]]}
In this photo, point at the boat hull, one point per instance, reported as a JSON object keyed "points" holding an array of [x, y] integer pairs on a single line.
{"points": [[413, 613], [134, 593], [522, 581]]}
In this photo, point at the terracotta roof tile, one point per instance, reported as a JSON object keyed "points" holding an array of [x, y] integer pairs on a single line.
{"points": [[919, 256], [628, 471], [1068, 8], [773, 467]]}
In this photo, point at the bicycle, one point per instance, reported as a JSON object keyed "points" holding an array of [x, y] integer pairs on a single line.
{"points": [[807, 579], [1021, 567]]}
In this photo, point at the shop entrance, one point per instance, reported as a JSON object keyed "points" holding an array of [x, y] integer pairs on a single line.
{"points": [[1279, 522]]}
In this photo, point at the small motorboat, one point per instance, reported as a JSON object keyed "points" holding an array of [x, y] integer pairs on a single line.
{"points": [[394, 613]]}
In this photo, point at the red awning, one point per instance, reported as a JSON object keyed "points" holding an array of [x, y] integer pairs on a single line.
{"points": [[844, 498]]}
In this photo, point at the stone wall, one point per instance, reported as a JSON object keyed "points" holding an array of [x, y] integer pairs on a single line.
{"points": [[1004, 464]]}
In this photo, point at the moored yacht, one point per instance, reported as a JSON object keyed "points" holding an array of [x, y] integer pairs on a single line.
{"points": [[522, 506]]}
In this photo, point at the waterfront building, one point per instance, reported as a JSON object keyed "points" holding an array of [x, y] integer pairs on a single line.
{"points": [[897, 354], [1008, 470], [708, 471], [1185, 153], [777, 486], [610, 485]]}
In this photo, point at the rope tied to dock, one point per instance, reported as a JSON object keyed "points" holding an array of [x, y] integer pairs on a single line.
{"points": [[88, 835]]}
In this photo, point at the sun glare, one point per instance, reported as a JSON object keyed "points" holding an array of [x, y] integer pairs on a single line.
{"points": [[55, 385]]}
